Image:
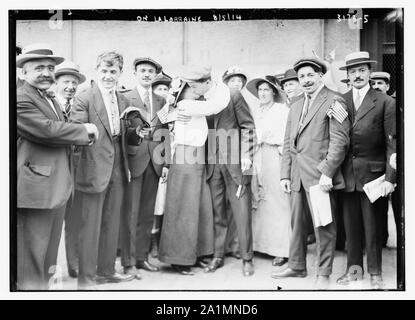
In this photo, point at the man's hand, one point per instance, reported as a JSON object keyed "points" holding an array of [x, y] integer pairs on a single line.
{"points": [[326, 183], [246, 164], [286, 185], [164, 174], [92, 131], [143, 132], [386, 188], [392, 161]]}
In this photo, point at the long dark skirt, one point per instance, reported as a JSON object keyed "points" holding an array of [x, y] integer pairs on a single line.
{"points": [[187, 231]]}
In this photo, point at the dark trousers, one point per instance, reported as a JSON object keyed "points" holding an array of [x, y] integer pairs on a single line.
{"points": [[138, 216], [100, 226], [325, 236], [383, 216], [397, 213], [73, 224], [361, 220], [222, 186], [38, 237]]}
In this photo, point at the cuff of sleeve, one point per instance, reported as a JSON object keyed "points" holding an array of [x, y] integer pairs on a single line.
{"points": [[325, 169]]}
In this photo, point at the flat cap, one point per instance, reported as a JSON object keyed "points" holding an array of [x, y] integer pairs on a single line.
{"points": [[141, 60], [310, 62], [195, 73]]}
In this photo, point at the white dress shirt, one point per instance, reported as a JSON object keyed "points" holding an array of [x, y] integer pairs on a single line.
{"points": [[107, 95], [195, 132], [142, 92], [362, 93]]}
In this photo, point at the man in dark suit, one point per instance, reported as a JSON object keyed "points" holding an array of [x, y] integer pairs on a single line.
{"points": [[68, 78], [147, 163], [44, 177], [371, 135], [230, 151], [315, 144], [102, 175]]}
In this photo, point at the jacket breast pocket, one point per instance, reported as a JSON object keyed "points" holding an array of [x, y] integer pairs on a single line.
{"points": [[377, 166], [44, 171]]}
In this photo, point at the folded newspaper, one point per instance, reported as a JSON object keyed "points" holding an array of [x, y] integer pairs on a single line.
{"points": [[321, 207], [373, 189]]}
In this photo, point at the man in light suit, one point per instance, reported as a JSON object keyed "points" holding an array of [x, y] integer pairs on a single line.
{"points": [[102, 174], [147, 163], [315, 144], [44, 158], [373, 128], [228, 160], [68, 78]]}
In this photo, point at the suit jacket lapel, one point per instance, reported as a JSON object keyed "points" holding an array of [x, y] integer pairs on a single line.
{"points": [[368, 104], [100, 109], [42, 103], [297, 115], [318, 102]]}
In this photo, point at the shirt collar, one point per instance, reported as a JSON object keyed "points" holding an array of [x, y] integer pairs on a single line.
{"points": [[141, 91], [362, 91], [62, 100], [105, 91]]}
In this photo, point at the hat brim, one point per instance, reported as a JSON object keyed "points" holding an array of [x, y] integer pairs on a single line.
{"points": [[79, 75], [228, 76], [357, 63], [288, 79], [165, 82], [251, 86], [23, 58]]}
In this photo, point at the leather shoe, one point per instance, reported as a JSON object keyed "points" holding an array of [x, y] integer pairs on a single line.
{"points": [[73, 273], [234, 254], [132, 271], [376, 282], [347, 278], [147, 266], [184, 270], [200, 263], [278, 261], [215, 264], [322, 283], [114, 278], [248, 268], [289, 273]]}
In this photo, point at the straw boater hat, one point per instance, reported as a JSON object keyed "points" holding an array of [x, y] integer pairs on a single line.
{"points": [[232, 72], [71, 68], [252, 87], [356, 58], [37, 51], [140, 60], [381, 75], [310, 62], [290, 74]]}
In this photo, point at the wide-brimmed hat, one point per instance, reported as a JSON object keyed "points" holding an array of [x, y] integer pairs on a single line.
{"points": [[290, 74], [380, 75], [195, 73], [252, 87], [233, 72], [310, 62], [162, 79], [70, 68], [356, 58], [141, 60], [37, 51]]}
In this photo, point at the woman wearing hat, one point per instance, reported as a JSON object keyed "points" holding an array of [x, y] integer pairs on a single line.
{"points": [[271, 212], [234, 78]]}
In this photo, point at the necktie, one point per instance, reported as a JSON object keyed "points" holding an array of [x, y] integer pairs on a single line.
{"points": [[305, 109], [147, 100], [115, 117], [357, 100], [68, 106]]}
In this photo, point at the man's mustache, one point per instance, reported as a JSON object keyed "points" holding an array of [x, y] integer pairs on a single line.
{"points": [[308, 84], [49, 79], [358, 79]]}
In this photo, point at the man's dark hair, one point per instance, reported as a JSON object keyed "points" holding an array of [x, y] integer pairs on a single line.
{"points": [[18, 50]]}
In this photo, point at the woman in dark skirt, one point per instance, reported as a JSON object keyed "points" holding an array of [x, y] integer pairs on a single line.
{"points": [[187, 232]]}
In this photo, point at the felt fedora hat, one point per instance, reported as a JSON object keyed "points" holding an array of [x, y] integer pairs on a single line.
{"points": [[356, 58], [37, 51], [252, 87], [141, 60], [71, 68], [310, 61], [232, 72], [290, 74]]}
